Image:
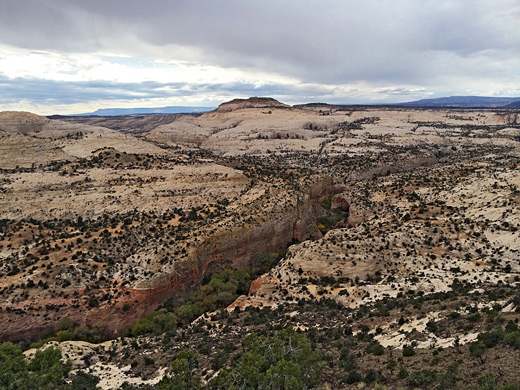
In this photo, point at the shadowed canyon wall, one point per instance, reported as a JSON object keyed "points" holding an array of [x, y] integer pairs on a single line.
{"points": [[240, 246]]}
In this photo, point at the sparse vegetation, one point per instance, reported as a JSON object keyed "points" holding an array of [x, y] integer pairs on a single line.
{"points": [[413, 285]]}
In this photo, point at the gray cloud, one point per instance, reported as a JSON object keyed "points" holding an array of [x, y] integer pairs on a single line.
{"points": [[50, 91], [430, 44], [57, 92]]}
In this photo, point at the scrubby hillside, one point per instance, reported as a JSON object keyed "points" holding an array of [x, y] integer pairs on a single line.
{"points": [[327, 245]]}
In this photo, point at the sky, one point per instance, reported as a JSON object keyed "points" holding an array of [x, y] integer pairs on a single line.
{"points": [[74, 56]]}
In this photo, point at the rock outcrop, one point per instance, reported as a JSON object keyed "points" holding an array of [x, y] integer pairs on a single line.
{"points": [[242, 246], [252, 102], [339, 201], [21, 122]]}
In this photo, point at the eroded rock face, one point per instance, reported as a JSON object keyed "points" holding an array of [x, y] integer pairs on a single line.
{"points": [[240, 246], [403, 166], [339, 201]]}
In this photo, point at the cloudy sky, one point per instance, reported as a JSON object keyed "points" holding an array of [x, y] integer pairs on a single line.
{"points": [[72, 56]]}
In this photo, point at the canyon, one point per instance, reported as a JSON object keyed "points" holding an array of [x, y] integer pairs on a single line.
{"points": [[367, 208]]}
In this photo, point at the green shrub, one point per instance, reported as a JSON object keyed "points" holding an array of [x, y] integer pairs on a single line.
{"points": [[353, 377], [513, 339], [477, 349], [221, 290], [512, 386], [422, 378], [371, 376], [46, 371], [347, 359], [487, 382], [491, 339], [375, 348], [285, 361], [408, 350], [403, 373]]}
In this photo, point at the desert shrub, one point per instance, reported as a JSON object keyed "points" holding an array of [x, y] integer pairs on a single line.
{"points": [[347, 359], [285, 361], [46, 371], [182, 375], [431, 326], [352, 377], [512, 386], [375, 348], [408, 350], [512, 339], [477, 349], [95, 334], [403, 373], [487, 382], [491, 339], [422, 378]]}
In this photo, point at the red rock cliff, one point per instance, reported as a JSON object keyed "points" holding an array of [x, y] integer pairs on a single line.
{"points": [[240, 246]]}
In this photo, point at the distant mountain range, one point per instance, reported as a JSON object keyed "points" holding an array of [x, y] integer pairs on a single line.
{"points": [[153, 110], [466, 101], [513, 105], [452, 101]]}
